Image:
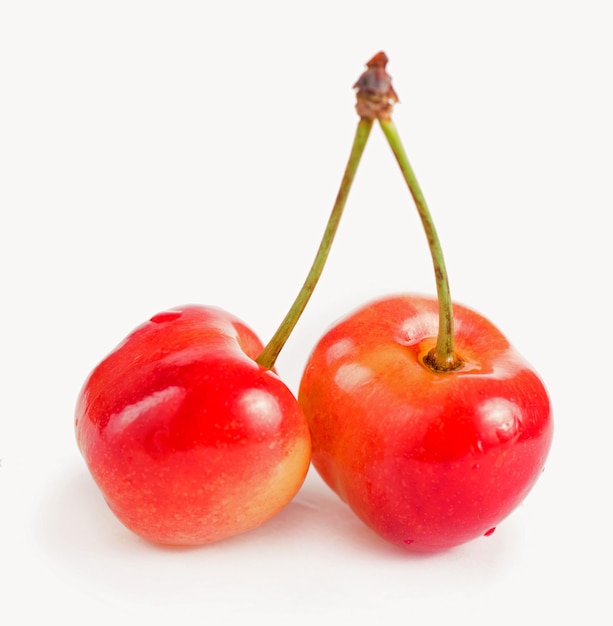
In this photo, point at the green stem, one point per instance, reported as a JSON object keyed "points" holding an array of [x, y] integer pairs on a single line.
{"points": [[443, 357], [270, 353]]}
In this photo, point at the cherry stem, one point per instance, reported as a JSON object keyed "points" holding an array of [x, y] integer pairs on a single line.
{"points": [[442, 358], [268, 356]]}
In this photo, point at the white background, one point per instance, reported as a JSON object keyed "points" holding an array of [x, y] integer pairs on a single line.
{"points": [[154, 154]]}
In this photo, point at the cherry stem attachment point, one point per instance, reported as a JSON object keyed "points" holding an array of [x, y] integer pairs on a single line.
{"points": [[442, 358], [268, 356]]}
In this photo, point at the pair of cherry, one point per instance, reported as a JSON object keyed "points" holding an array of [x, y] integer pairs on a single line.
{"points": [[417, 412]]}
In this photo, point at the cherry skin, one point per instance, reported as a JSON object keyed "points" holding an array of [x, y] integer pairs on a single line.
{"points": [[188, 438], [427, 459]]}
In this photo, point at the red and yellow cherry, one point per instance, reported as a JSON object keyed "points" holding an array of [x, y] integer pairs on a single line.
{"points": [[188, 438], [428, 459], [187, 430], [423, 418]]}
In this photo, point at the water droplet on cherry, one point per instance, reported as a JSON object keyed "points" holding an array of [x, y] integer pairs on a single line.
{"points": [[502, 418], [409, 541], [167, 316]]}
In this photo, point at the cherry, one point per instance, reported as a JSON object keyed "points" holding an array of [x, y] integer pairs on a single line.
{"points": [[424, 419], [189, 439], [185, 426]]}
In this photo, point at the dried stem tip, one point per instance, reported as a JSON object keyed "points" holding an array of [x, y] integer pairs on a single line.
{"points": [[375, 96]]}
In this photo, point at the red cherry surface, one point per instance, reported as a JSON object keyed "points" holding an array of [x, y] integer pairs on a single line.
{"points": [[427, 459], [188, 438]]}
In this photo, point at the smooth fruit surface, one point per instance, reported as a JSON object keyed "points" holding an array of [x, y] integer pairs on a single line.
{"points": [[428, 460], [190, 440]]}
